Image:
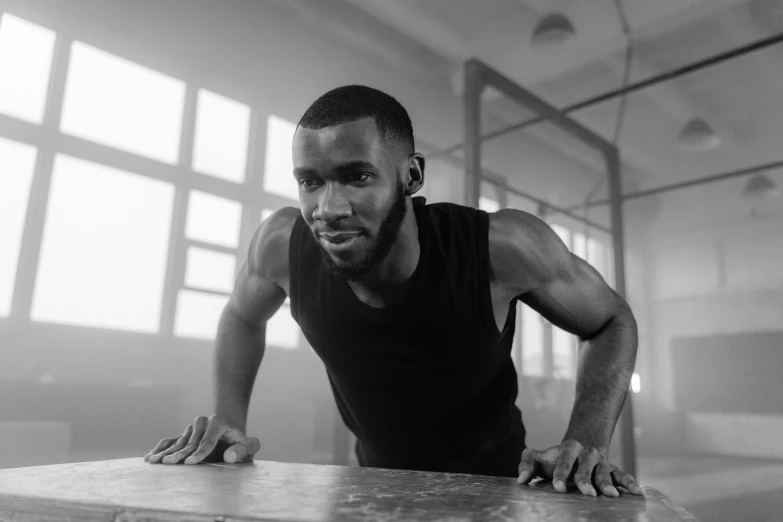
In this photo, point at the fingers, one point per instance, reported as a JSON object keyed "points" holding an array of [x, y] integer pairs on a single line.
{"points": [[162, 445], [603, 479], [184, 451], [528, 466], [621, 478], [178, 444], [242, 451], [586, 464], [208, 442], [569, 452]]}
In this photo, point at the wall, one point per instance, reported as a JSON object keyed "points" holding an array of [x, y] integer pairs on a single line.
{"points": [[721, 279], [259, 55]]}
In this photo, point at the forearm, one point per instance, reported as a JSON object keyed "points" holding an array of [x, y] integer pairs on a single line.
{"points": [[239, 349], [604, 372]]}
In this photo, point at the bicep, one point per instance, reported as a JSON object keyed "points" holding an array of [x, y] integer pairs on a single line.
{"points": [[576, 298], [255, 299]]}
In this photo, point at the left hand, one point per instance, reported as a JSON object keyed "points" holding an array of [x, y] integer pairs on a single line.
{"points": [[585, 465]]}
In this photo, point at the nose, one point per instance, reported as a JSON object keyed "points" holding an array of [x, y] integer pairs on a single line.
{"points": [[333, 204]]}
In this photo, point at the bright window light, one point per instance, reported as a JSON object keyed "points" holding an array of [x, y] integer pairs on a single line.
{"points": [[596, 255], [222, 127], [279, 164], [282, 331], [105, 245], [636, 383], [563, 233], [210, 270], [213, 219], [580, 245], [563, 353], [265, 213], [532, 343], [488, 205], [121, 104], [198, 314], [17, 164], [25, 65]]}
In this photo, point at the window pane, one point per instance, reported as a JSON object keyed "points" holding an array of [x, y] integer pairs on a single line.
{"points": [[596, 255], [282, 331], [17, 163], [222, 127], [213, 219], [104, 251], [210, 270], [532, 343], [265, 213], [563, 354], [198, 314], [564, 234], [25, 64], [119, 103], [279, 164], [488, 205], [580, 245]]}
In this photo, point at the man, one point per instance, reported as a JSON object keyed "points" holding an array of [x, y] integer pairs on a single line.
{"points": [[411, 308]]}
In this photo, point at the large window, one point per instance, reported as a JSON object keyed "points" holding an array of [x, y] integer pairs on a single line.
{"points": [[25, 63], [279, 165], [17, 162], [104, 250], [222, 128], [118, 103]]}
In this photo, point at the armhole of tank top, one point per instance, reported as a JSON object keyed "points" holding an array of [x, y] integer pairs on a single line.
{"points": [[293, 266], [482, 257]]}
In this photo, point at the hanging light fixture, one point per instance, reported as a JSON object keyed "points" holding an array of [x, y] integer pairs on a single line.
{"points": [[698, 136], [760, 187], [553, 29]]}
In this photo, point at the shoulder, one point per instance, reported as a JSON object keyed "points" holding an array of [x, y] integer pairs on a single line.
{"points": [[525, 253], [268, 252]]}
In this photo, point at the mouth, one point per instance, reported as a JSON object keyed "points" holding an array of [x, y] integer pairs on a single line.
{"points": [[338, 242]]}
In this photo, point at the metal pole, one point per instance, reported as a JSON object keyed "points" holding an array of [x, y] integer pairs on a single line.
{"points": [[643, 84], [627, 440], [474, 84], [685, 184]]}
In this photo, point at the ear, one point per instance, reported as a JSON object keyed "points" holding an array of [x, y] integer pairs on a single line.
{"points": [[415, 174]]}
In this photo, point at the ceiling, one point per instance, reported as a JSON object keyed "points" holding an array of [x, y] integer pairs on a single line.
{"points": [[431, 39]]}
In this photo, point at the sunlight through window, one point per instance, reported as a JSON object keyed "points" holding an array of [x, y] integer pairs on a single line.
{"points": [[563, 353], [198, 314], [213, 219], [532, 343], [210, 270], [121, 104], [488, 205], [222, 127], [25, 65], [282, 330], [17, 164], [279, 164], [105, 246]]}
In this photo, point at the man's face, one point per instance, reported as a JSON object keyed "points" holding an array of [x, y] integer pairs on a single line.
{"points": [[351, 194]]}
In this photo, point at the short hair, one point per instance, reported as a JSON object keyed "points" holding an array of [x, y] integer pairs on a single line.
{"points": [[354, 102]]}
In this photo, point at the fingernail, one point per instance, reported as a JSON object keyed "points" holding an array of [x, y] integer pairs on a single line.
{"points": [[190, 460], [558, 485], [231, 456]]}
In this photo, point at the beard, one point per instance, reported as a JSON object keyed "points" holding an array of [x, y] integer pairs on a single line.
{"points": [[380, 248]]}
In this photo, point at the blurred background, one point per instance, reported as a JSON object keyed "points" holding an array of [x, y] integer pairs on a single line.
{"points": [[142, 142]]}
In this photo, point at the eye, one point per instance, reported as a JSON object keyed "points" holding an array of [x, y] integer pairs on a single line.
{"points": [[358, 177], [308, 182]]}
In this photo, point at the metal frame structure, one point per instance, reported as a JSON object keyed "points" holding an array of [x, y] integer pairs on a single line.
{"points": [[478, 76]]}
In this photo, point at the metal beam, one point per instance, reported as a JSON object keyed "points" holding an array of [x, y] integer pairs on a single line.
{"points": [[643, 84]]}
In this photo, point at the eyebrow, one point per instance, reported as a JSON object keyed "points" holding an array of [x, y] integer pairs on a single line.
{"points": [[350, 166]]}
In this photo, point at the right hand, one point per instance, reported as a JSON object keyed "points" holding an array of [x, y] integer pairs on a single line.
{"points": [[212, 439]]}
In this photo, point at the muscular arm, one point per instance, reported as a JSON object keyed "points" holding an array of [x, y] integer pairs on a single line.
{"points": [[529, 261], [260, 289]]}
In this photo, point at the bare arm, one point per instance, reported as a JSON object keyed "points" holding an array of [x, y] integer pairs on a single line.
{"points": [[260, 289], [530, 261]]}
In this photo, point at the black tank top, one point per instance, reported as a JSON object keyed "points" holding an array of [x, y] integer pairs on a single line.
{"points": [[428, 384]]}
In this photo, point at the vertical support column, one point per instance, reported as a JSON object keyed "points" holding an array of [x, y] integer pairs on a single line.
{"points": [[627, 438], [474, 84]]}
